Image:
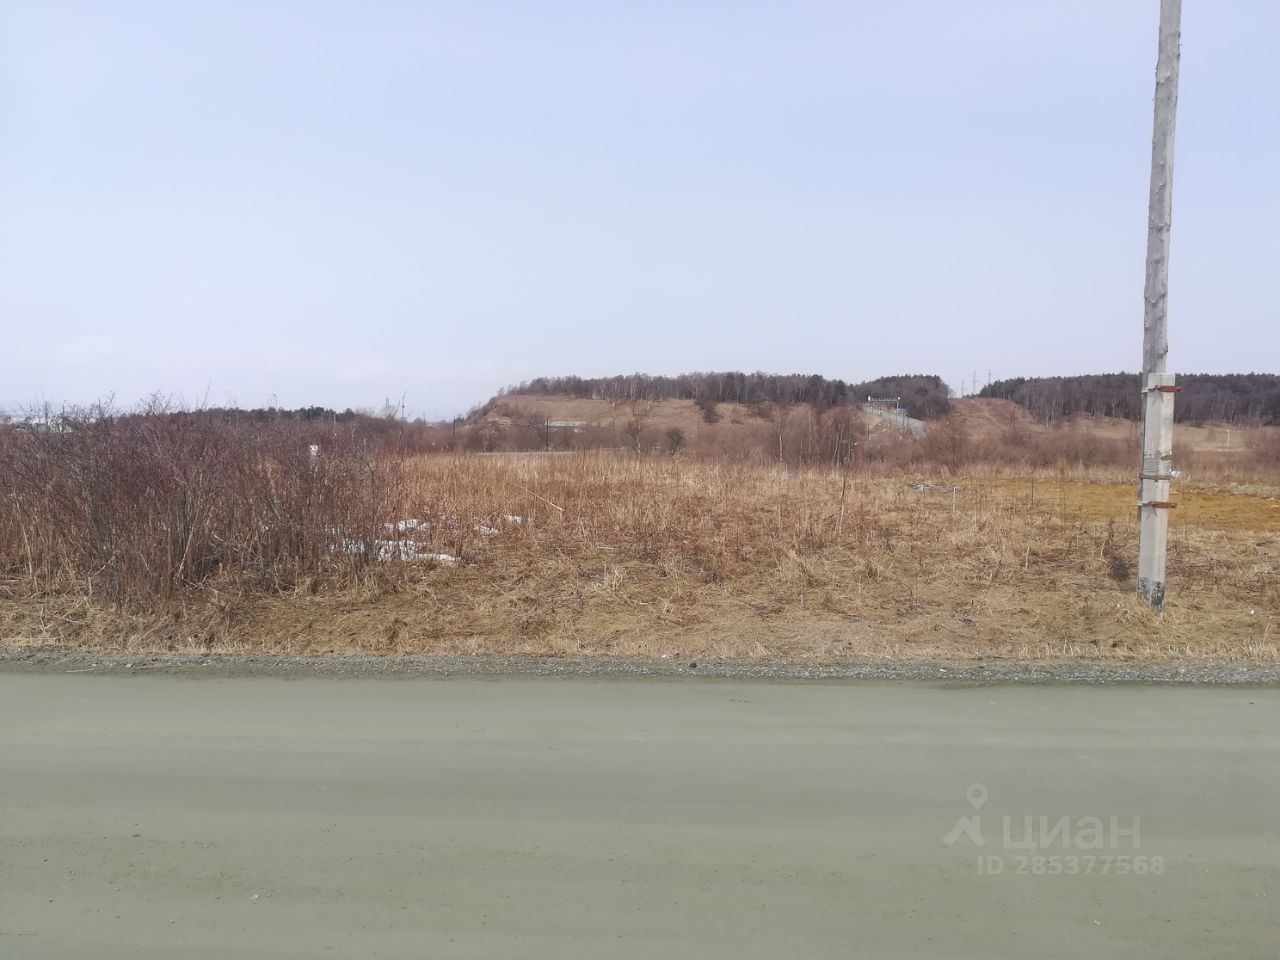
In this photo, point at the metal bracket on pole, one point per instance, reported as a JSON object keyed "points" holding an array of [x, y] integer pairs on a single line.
{"points": [[1158, 504]]}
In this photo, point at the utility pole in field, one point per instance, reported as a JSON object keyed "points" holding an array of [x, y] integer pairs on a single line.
{"points": [[1157, 384]]}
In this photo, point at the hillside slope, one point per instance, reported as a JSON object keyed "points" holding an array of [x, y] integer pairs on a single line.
{"points": [[995, 420], [540, 422]]}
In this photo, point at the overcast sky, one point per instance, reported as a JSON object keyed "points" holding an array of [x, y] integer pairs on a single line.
{"points": [[334, 203]]}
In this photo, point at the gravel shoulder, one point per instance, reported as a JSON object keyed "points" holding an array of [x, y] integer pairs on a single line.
{"points": [[409, 667]]}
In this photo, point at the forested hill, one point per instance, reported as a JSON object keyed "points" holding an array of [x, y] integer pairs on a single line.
{"points": [[1229, 397], [924, 396]]}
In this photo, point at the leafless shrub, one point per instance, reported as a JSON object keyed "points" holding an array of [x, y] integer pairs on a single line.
{"points": [[1265, 457], [947, 443], [138, 507]]}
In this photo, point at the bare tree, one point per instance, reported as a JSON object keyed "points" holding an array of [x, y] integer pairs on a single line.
{"points": [[634, 428], [674, 440], [779, 416]]}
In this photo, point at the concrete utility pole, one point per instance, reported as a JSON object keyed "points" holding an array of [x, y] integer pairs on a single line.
{"points": [[1158, 389]]}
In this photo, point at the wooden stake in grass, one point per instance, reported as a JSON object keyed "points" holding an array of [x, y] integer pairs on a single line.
{"points": [[844, 488]]}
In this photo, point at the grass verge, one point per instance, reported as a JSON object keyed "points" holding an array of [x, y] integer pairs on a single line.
{"points": [[605, 554]]}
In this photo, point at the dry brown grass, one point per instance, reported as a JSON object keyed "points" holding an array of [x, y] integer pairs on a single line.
{"points": [[654, 557]]}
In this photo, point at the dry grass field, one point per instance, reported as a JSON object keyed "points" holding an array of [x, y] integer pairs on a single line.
{"points": [[650, 556]]}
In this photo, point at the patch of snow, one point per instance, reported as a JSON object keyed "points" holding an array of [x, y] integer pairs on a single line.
{"points": [[403, 526]]}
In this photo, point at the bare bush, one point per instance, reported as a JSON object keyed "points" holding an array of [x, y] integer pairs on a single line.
{"points": [[947, 444], [138, 507]]}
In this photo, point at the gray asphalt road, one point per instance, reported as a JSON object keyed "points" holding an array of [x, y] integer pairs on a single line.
{"points": [[162, 817]]}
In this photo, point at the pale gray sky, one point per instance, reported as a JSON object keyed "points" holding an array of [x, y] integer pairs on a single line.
{"points": [[333, 203]]}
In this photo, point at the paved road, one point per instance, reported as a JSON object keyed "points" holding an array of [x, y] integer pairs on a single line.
{"points": [[897, 418], [159, 817]]}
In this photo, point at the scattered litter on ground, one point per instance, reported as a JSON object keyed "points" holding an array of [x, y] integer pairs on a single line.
{"points": [[382, 550], [452, 524]]}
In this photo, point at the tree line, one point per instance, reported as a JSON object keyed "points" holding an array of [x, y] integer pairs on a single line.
{"points": [[1227, 397]]}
